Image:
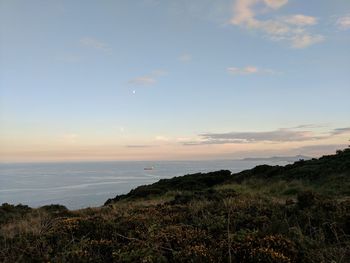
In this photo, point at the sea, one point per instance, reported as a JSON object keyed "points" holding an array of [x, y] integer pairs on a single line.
{"points": [[88, 184]]}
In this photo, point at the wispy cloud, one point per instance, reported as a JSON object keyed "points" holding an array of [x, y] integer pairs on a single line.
{"points": [[343, 22], [94, 43], [310, 126], [305, 40], [242, 71], [162, 138], [143, 80], [300, 20], [139, 146], [280, 135], [340, 131], [185, 57], [275, 4], [248, 70], [149, 79], [292, 29]]}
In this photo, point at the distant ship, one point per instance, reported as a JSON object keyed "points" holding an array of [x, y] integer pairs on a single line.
{"points": [[148, 168]]}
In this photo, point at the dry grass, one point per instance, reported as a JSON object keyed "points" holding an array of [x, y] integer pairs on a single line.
{"points": [[36, 223]]}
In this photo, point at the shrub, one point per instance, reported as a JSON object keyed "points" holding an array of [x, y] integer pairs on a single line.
{"points": [[267, 250], [306, 199]]}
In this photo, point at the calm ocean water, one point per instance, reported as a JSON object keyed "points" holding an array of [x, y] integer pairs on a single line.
{"points": [[78, 185]]}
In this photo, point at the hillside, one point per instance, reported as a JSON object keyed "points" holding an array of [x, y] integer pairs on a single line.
{"points": [[331, 172], [295, 213]]}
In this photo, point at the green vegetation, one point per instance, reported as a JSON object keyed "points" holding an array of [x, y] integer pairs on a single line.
{"points": [[296, 213]]}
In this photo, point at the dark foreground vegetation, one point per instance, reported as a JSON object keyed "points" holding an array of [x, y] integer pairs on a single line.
{"points": [[296, 213]]}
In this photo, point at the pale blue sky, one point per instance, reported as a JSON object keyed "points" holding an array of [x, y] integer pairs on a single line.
{"points": [[85, 74]]}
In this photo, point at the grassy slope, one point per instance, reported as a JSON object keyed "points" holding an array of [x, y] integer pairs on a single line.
{"points": [[328, 173], [295, 213]]}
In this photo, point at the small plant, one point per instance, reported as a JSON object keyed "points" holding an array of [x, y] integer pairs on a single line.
{"points": [[306, 199]]}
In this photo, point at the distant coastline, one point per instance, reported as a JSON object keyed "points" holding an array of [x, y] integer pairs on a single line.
{"points": [[278, 158]]}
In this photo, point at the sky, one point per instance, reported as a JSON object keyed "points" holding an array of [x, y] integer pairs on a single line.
{"points": [[173, 80]]}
